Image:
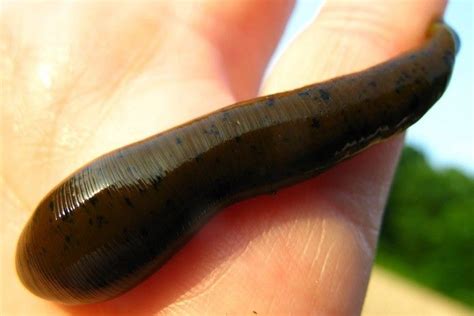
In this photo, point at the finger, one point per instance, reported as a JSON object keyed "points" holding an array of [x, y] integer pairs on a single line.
{"points": [[349, 36], [246, 34]]}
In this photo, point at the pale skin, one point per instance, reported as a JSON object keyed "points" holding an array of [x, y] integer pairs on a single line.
{"points": [[79, 80]]}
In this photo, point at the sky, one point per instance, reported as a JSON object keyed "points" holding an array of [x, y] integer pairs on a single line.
{"points": [[446, 133]]}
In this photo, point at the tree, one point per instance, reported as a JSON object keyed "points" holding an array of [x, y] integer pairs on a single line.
{"points": [[428, 229]]}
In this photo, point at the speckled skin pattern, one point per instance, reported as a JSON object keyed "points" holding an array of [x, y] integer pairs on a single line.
{"points": [[119, 218]]}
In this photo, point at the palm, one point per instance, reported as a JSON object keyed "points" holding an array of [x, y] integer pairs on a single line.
{"points": [[81, 80]]}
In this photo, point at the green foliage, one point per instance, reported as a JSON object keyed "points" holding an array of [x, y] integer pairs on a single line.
{"points": [[428, 229]]}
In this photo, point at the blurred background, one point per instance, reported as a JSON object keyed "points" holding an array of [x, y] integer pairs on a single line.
{"points": [[425, 259]]}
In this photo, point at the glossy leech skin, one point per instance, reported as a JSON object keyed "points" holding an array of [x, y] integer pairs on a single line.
{"points": [[122, 216]]}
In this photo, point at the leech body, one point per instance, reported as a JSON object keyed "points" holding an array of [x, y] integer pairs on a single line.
{"points": [[119, 218]]}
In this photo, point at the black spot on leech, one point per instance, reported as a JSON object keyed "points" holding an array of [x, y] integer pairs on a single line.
{"points": [[91, 222], [129, 203], [51, 205], [373, 84], [414, 102], [397, 90], [315, 123], [178, 141], [67, 238], [155, 182], [270, 102], [93, 200], [198, 158], [448, 58], [225, 116], [304, 93], [213, 130], [100, 220], [144, 232], [238, 139], [324, 94]]}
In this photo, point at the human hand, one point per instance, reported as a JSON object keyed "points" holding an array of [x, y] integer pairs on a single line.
{"points": [[80, 79]]}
